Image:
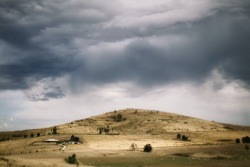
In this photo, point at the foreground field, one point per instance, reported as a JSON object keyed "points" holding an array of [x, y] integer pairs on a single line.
{"points": [[110, 150]]}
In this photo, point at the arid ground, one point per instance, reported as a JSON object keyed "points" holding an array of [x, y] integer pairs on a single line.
{"points": [[208, 144]]}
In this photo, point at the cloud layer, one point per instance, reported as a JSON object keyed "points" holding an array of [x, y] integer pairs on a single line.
{"points": [[156, 43], [53, 49]]}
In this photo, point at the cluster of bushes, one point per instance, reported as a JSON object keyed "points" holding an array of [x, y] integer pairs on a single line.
{"points": [[74, 138], [245, 139], [182, 137]]}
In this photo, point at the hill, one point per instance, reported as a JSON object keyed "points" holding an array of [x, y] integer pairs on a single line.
{"points": [[128, 121]]}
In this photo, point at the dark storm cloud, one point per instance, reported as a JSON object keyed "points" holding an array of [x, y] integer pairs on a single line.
{"points": [[218, 42], [56, 38], [22, 74], [21, 24]]}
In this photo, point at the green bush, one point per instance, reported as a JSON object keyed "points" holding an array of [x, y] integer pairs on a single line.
{"points": [[71, 159], [237, 141], [54, 130], [184, 138], [178, 136], [147, 148], [74, 138], [246, 139]]}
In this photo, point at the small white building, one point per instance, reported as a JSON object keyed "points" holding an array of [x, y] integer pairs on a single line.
{"points": [[52, 140]]}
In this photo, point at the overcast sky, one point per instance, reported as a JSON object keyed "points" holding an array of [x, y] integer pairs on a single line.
{"points": [[62, 60]]}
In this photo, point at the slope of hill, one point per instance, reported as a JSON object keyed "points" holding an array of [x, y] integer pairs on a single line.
{"points": [[134, 121], [128, 121]]}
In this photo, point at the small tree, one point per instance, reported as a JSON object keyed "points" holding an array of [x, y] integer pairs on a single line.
{"points": [[72, 138], [32, 135], [38, 134], [237, 141], [25, 136], [147, 148], [119, 117], [54, 130], [184, 138], [178, 136]]}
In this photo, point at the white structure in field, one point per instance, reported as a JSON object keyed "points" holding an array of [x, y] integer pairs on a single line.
{"points": [[52, 140]]}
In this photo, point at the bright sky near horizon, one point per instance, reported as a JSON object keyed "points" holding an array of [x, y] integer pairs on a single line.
{"points": [[63, 60]]}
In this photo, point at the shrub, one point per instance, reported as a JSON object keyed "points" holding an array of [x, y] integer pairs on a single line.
{"points": [[246, 139], [147, 148], [71, 159], [119, 117], [237, 141], [74, 138], [54, 130], [184, 138], [38, 134], [178, 136], [32, 135]]}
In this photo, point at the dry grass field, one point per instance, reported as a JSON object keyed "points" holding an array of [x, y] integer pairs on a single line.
{"points": [[106, 141]]}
